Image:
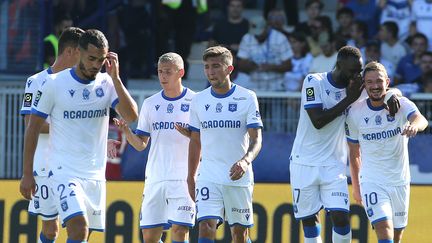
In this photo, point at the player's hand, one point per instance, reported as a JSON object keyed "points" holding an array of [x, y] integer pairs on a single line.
{"points": [[112, 148], [112, 65], [239, 169], [27, 186], [393, 105], [355, 88], [121, 124], [410, 131], [183, 130], [356, 195], [191, 187]]}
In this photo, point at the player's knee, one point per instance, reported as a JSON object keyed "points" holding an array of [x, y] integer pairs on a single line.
{"points": [[150, 238], [311, 221], [339, 218], [50, 229], [77, 228], [207, 229], [239, 233], [397, 235], [180, 230]]}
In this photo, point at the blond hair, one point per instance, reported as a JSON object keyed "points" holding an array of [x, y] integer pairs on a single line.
{"points": [[219, 51], [375, 66], [172, 58]]}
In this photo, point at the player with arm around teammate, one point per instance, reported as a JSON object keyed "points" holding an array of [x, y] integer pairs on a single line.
{"points": [[77, 101], [225, 126], [378, 152], [166, 200]]}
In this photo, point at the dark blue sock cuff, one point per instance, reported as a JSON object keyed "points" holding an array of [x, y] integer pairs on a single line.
{"points": [[385, 241], [342, 230], [44, 239], [312, 231], [205, 240]]}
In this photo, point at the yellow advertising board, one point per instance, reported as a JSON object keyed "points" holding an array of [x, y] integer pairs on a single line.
{"points": [[274, 222]]}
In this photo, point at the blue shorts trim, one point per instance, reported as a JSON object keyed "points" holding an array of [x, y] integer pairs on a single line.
{"points": [[243, 225], [379, 220], [44, 215], [337, 209], [180, 223], [164, 225], [98, 230], [210, 217], [309, 216], [71, 216]]}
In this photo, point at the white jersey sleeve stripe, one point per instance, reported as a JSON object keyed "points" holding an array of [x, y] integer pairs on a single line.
{"points": [[254, 125], [142, 133], [194, 129], [410, 114], [38, 113], [352, 140], [114, 103], [309, 106], [25, 112]]}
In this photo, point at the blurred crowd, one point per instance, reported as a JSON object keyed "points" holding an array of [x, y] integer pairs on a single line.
{"points": [[274, 50]]}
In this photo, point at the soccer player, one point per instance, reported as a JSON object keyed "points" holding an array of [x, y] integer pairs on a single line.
{"points": [[378, 152], [77, 101], [166, 200], [319, 155], [225, 126]]}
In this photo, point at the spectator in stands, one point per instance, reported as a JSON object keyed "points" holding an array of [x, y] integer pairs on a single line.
{"points": [[300, 61], [313, 10], [359, 32], [398, 11], [228, 32], [276, 18], [421, 15], [290, 8], [391, 48], [62, 21], [322, 26], [345, 19], [264, 54], [373, 53], [425, 67], [327, 60], [427, 82], [366, 11], [408, 68]]}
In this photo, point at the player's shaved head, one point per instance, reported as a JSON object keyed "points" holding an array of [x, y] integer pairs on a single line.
{"points": [[69, 38], [348, 52], [172, 58], [219, 51], [94, 37]]}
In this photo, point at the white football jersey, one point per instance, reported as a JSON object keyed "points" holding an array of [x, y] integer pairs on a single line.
{"points": [[40, 165], [168, 155], [79, 112], [384, 151], [222, 121], [325, 146]]}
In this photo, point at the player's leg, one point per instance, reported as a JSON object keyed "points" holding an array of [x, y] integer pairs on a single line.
{"points": [[239, 211], [384, 231], [306, 200], [50, 231], [397, 235], [181, 210], [77, 229], [210, 210], [400, 205], [153, 215], [334, 195]]}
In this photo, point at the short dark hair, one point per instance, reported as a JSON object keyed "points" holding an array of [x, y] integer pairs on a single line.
{"points": [[391, 27], [373, 43], [219, 51], [418, 35], [362, 26], [94, 37], [310, 2], [348, 52], [346, 11], [69, 38]]}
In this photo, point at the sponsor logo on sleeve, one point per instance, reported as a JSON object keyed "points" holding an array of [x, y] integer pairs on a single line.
{"points": [[38, 96], [310, 94], [28, 99]]}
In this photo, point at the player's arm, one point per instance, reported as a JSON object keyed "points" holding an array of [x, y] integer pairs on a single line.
{"points": [[417, 123], [255, 143], [193, 161], [321, 117], [355, 164], [139, 142], [27, 185], [126, 107], [44, 128]]}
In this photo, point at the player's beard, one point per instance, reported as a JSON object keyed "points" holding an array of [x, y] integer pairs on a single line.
{"points": [[374, 98], [88, 75]]}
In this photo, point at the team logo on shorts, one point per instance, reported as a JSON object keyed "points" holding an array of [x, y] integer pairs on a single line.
{"points": [[184, 107], [219, 107], [38, 96], [28, 99], [370, 212], [36, 203], [310, 94], [170, 108], [390, 118], [64, 206], [247, 216], [86, 94], [99, 92], [232, 107], [378, 120]]}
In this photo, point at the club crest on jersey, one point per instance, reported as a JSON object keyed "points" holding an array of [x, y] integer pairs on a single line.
{"points": [[71, 92], [29, 83], [170, 108], [99, 92], [219, 107], [86, 94], [338, 95], [390, 118], [157, 107], [28, 99], [378, 120], [184, 107], [36, 203], [310, 94], [207, 107], [38, 96], [64, 206], [232, 107], [366, 120]]}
